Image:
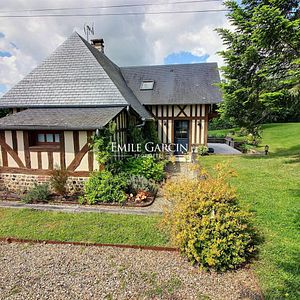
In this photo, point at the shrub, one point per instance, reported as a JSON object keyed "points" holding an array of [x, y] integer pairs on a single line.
{"points": [[58, 180], [146, 166], [103, 187], [242, 132], [206, 223], [202, 150], [253, 140], [39, 193], [115, 166], [137, 183]]}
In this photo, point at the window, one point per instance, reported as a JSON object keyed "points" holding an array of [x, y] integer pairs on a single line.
{"points": [[147, 85], [44, 139]]}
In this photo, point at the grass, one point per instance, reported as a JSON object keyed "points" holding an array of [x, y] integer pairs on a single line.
{"points": [[270, 187], [283, 138], [83, 227]]}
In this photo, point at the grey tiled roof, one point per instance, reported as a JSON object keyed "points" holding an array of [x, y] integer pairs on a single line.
{"points": [[74, 75], [175, 84], [77, 75], [117, 78], [60, 118]]}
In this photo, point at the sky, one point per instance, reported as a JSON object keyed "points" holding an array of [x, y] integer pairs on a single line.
{"points": [[129, 40]]}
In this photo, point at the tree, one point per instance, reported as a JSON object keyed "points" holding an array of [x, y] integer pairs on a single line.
{"points": [[261, 72]]}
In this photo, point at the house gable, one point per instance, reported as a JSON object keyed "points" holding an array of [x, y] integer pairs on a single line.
{"points": [[70, 76]]}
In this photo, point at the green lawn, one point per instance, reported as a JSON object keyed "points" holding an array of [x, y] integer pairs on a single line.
{"points": [[270, 187], [83, 227], [283, 138]]}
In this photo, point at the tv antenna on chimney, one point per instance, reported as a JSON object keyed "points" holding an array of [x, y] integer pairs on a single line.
{"points": [[88, 30]]}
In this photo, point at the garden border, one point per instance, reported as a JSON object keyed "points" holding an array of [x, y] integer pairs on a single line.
{"points": [[10, 240], [106, 204]]}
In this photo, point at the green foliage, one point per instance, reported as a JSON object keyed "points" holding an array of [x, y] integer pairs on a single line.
{"points": [[262, 62], [253, 140], [206, 223], [146, 166], [58, 180], [102, 144], [150, 132], [202, 150], [220, 123], [137, 183], [39, 193], [144, 134], [104, 187], [135, 134], [115, 166]]}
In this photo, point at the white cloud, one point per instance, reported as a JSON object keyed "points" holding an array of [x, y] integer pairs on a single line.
{"points": [[129, 40], [14, 67]]}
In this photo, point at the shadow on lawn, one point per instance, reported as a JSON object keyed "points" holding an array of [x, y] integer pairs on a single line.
{"points": [[294, 160], [292, 152], [295, 193]]}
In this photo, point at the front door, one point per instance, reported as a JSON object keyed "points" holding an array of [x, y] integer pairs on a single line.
{"points": [[181, 136]]}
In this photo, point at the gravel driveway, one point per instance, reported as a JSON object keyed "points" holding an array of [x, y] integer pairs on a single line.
{"points": [[41, 271]]}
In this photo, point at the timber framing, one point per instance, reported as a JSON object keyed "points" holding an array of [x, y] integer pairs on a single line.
{"points": [[195, 114], [40, 172]]}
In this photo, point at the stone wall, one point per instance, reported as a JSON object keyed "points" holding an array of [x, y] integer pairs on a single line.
{"points": [[21, 183]]}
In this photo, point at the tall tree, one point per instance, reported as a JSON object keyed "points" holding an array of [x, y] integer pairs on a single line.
{"points": [[261, 72]]}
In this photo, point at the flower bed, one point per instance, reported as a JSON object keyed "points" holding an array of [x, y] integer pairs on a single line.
{"points": [[73, 200], [131, 182]]}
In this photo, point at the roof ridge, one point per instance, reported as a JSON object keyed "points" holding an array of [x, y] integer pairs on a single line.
{"points": [[118, 79], [170, 65]]}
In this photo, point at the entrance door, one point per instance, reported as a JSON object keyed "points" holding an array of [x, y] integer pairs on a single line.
{"points": [[181, 136]]}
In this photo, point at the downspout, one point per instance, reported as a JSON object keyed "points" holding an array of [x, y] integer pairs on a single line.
{"points": [[143, 119], [142, 124]]}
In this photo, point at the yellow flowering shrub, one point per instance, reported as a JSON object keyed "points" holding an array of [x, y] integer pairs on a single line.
{"points": [[206, 223]]}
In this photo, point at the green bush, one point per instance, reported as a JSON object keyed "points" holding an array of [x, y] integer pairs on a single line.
{"points": [[58, 180], [202, 150], [137, 183], [39, 193], [104, 187], [206, 223], [146, 166]]}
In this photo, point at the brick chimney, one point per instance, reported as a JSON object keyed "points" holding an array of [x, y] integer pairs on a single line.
{"points": [[98, 44]]}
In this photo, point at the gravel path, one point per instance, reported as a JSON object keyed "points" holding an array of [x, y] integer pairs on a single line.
{"points": [[75, 272]]}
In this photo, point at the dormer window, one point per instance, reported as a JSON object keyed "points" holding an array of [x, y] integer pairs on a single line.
{"points": [[147, 85]]}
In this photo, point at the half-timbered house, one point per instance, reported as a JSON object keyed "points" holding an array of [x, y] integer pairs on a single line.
{"points": [[58, 106]]}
